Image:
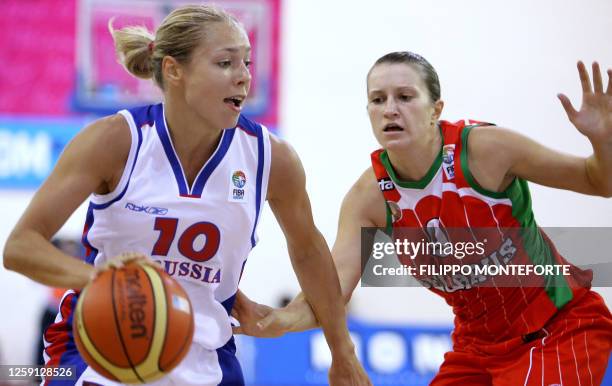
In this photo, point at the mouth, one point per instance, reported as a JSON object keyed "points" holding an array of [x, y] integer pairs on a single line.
{"points": [[390, 127], [235, 102]]}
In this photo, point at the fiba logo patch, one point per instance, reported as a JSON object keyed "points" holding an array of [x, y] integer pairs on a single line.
{"points": [[448, 160], [396, 211], [238, 181]]}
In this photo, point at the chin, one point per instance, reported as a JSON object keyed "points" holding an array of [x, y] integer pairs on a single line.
{"points": [[396, 144]]}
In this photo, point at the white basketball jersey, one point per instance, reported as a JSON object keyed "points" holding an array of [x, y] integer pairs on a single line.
{"points": [[201, 234]]}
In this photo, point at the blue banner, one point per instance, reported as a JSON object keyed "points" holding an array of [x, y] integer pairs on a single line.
{"points": [[30, 147], [391, 354]]}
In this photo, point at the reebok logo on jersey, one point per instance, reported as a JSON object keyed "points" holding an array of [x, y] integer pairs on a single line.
{"points": [[385, 184], [154, 210], [238, 181]]}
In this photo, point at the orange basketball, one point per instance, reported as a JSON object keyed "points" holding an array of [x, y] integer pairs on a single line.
{"points": [[133, 324]]}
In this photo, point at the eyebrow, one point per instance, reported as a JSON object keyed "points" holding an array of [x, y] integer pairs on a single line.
{"points": [[234, 49], [400, 88]]}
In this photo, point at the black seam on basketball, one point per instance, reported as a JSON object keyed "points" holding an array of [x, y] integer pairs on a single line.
{"points": [[165, 332], [119, 328], [84, 326], [154, 312]]}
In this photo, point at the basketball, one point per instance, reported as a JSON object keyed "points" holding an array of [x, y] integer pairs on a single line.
{"points": [[133, 324]]}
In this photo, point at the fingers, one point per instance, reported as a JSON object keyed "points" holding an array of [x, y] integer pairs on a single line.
{"points": [[609, 90], [584, 78], [597, 82], [128, 257], [237, 330], [134, 257], [265, 322], [95, 273], [567, 105], [269, 327], [122, 260]]}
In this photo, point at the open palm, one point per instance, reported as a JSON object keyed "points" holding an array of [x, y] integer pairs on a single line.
{"points": [[594, 119]]}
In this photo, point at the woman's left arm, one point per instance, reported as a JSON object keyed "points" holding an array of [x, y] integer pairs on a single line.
{"points": [[517, 155], [312, 261]]}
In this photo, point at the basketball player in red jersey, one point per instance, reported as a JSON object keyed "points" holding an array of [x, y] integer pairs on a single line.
{"points": [[181, 157], [473, 176]]}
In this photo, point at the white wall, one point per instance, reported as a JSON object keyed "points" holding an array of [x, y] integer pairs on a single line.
{"points": [[498, 61]]}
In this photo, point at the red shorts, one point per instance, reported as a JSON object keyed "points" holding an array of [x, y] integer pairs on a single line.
{"points": [[571, 349]]}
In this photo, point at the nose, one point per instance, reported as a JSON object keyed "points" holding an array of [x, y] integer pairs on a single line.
{"points": [[244, 76], [390, 110]]}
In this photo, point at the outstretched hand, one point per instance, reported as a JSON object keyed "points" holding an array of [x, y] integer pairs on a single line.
{"points": [[262, 321], [594, 119]]}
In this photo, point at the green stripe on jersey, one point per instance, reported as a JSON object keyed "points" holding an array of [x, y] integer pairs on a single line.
{"points": [[389, 227], [538, 251], [536, 248], [420, 184]]}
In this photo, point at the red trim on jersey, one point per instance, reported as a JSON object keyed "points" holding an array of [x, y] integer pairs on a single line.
{"points": [[190, 196], [57, 334], [381, 174], [252, 134]]}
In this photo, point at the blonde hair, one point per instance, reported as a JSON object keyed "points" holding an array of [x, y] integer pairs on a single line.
{"points": [[141, 52]]}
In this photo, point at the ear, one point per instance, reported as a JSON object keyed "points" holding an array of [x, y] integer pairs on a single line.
{"points": [[438, 107], [172, 70]]}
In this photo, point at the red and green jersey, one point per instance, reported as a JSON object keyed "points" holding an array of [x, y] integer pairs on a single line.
{"points": [[448, 201]]}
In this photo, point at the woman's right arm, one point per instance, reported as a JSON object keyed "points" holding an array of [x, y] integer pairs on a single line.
{"points": [[363, 206], [92, 162]]}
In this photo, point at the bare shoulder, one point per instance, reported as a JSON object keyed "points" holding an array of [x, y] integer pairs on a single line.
{"points": [[89, 163], [101, 148], [483, 136], [486, 140], [286, 171], [282, 152], [492, 151], [364, 202], [110, 134]]}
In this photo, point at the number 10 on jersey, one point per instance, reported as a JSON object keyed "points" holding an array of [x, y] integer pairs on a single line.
{"points": [[167, 228]]}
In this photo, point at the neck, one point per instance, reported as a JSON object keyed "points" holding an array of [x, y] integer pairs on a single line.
{"points": [[411, 163], [190, 133]]}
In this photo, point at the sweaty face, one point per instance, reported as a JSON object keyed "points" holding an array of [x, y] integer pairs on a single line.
{"points": [[217, 78], [399, 105]]}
